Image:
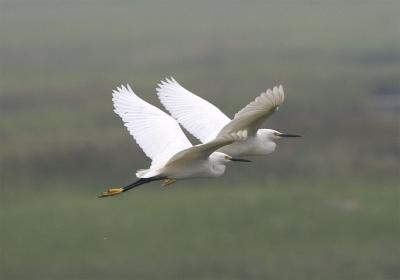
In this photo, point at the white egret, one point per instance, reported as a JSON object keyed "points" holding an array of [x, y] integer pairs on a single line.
{"points": [[206, 122], [161, 138]]}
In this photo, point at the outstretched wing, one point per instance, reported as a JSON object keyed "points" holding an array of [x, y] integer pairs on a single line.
{"points": [[157, 133], [201, 118], [252, 116], [203, 151]]}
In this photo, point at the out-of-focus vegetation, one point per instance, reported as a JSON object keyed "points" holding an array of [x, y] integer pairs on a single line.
{"points": [[304, 212], [211, 231]]}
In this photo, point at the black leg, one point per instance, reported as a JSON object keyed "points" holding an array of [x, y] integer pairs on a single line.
{"points": [[142, 181]]}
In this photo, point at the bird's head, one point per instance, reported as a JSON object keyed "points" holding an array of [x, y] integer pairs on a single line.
{"points": [[224, 158], [270, 134]]}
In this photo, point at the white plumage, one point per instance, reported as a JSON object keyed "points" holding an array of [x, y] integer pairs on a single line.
{"points": [[201, 118], [205, 121], [161, 138], [158, 134]]}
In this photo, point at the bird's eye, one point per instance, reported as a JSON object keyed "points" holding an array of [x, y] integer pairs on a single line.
{"points": [[226, 158]]}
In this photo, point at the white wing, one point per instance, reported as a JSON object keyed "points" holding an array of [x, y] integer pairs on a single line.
{"points": [[201, 118], [252, 116], [157, 133], [203, 151]]}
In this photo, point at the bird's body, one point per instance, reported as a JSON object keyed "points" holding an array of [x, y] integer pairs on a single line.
{"points": [[255, 145], [162, 140], [206, 122], [209, 167], [213, 166]]}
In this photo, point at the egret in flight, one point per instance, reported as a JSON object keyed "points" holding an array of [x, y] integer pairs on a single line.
{"points": [[163, 141], [206, 122]]}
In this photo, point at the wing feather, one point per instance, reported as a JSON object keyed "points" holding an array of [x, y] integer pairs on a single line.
{"points": [[201, 118], [203, 151], [252, 116], [157, 133]]}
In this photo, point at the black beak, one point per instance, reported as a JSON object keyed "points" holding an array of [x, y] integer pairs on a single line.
{"points": [[239, 159], [288, 135]]}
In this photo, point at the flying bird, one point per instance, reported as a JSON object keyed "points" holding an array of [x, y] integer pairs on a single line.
{"points": [[206, 122], [163, 141]]}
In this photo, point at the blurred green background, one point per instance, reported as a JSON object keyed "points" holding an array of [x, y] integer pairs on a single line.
{"points": [[325, 206]]}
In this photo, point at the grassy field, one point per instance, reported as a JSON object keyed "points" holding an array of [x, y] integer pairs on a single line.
{"points": [[274, 231]]}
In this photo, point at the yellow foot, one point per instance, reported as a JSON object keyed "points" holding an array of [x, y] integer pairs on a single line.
{"points": [[167, 182], [111, 192]]}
